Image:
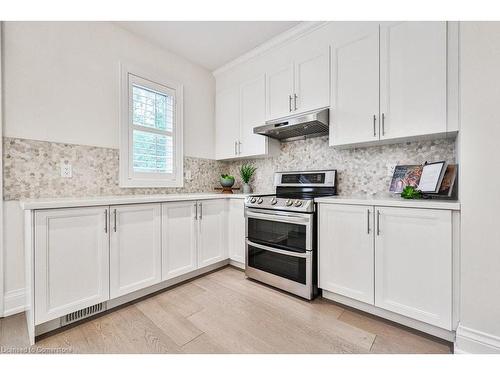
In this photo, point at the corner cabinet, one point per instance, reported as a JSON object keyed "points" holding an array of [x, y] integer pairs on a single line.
{"points": [[71, 260], [391, 84], [135, 251], [397, 259]]}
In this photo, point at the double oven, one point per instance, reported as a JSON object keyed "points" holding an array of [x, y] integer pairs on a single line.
{"points": [[281, 240]]}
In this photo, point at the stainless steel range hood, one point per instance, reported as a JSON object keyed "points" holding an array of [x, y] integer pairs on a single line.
{"points": [[306, 125]]}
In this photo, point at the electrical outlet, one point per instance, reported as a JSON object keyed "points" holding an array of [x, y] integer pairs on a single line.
{"points": [[187, 175], [66, 171]]}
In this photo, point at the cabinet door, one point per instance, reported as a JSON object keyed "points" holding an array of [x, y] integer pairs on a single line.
{"points": [[355, 91], [312, 81], [212, 245], [279, 92], [135, 252], [227, 123], [346, 250], [413, 263], [71, 260], [236, 230], [252, 114], [413, 79], [179, 231]]}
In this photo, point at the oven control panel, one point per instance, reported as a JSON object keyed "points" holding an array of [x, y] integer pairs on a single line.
{"points": [[274, 203]]}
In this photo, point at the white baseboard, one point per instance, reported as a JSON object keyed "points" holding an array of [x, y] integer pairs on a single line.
{"points": [[14, 302], [237, 264], [472, 341]]}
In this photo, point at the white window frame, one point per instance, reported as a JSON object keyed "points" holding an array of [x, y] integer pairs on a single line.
{"points": [[148, 79]]}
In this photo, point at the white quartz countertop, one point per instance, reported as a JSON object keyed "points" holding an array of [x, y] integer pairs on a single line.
{"points": [[46, 203], [391, 201]]}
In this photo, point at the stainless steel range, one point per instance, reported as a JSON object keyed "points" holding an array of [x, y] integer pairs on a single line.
{"points": [[281, 233]]}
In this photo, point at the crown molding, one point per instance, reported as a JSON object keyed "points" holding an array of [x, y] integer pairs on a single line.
{"points": [[295, 32]]}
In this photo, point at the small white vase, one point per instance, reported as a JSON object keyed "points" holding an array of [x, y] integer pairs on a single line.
{"points": [[246, 188]]}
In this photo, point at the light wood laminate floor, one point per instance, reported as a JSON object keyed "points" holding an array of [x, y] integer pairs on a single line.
{"points": [[223, 312]]}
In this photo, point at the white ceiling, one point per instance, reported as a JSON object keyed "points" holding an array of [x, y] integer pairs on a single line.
{"points": [[210, 44]]}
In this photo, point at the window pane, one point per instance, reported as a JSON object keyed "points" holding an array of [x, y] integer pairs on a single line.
{"points": [[152, 152], [152, 109]]}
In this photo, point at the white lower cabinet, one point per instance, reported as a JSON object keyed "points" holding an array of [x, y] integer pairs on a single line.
{"points": [[413, 263], [236, 230], [71, 260], [346, 251], [180, 232], [135, 251], [194, 235], [397, 259], [212, 247]]}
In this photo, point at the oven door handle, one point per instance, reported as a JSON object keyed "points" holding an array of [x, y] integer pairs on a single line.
{"points": [[279, 251], [292, 219]]}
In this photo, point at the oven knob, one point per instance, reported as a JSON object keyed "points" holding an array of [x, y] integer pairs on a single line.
{"points": [[298, 203], [252, 200], [260, 200], [289, 202], [273, 201]]}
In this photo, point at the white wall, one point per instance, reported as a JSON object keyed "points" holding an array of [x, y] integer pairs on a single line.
{"points": [[479, 183], [61, 84]]}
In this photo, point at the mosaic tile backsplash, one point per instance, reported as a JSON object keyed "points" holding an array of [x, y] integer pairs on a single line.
{"points": [[360, 171], [32, 168]]}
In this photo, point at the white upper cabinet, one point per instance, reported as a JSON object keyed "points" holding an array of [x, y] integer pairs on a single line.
{"points": [[135, 252], [279, 91], [413, 263], [346, 263], [227, 124], [212, 246], [392, 84], [312, 81], [355, 91], [179, 236], [71, 260], [413, 66], [299, 86], [252, 114]]}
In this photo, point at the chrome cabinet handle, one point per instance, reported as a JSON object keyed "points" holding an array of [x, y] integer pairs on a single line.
{"points": [[196, 211], [368, 221], [201, 211], [236, 147], [114, 223], [383, 123], [378, 223], [295, 101], [239, 148], [106, 221], [289, 103], [374, 125]]}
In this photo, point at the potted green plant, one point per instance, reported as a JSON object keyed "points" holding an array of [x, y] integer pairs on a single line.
{"points": [[226, 180], [246, 173]]}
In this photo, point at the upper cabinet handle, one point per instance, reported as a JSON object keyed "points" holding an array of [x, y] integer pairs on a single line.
{"points": [[383, 123], [236, 147], [239, 148], [295, 101], [374, 125], [289, 103]]}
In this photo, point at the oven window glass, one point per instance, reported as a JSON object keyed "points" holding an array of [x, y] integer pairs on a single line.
{"points": [[289, 267], [274, 233]]}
